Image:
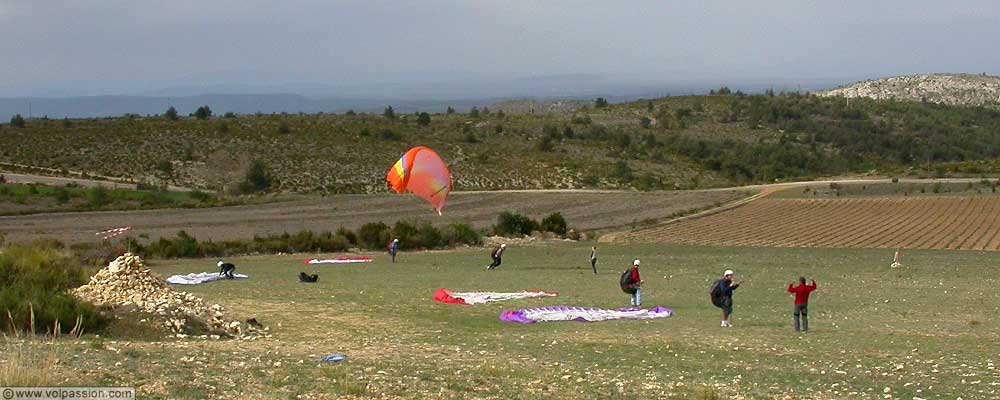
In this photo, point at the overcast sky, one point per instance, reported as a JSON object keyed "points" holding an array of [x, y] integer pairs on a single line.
{"points": [[149, 44]]}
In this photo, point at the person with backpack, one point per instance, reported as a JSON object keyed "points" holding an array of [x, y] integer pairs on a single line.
{"points": [[801, 293], [631, 283], [496, 254], [393, 247], [593, 259], [722, 296]]}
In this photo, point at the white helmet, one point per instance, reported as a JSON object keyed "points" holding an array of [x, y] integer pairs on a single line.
{"points": [[503, 245], [636, 262], [219, 264], [728, 272]]}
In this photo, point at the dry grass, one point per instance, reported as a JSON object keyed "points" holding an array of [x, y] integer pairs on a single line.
{"points": [[28, 365]]}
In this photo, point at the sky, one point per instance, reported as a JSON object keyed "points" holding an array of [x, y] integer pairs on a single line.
{"points": [[137, 46]]}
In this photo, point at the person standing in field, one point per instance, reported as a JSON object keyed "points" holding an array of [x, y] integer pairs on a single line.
{"points": [[593, 259], [801, 293], [496, 254], [725, 295], [631, 283], [393, 248]]}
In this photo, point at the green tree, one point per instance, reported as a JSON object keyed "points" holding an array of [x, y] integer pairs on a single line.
{"points": [[424, 119], [554, 223], [474, 112], [171, 113], [17, 121], [450, 110], [389, 113], [258, 178], [600, 102], [203, 112], [645, 122]]}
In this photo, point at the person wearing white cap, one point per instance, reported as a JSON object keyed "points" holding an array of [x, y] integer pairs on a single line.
{"points": [[496, 254], [393, 248], [726, 287], [634, 287], [226, 269]]}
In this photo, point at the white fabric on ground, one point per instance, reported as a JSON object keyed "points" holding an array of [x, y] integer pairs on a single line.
{"points": [[199, 278]]}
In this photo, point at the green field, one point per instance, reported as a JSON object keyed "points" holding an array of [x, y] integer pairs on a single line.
{"points": [[926, 331]]}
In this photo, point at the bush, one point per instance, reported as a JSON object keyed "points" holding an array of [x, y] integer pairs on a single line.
{"points": [[458, 233], [347, 234], [35, 280], [98, 196], [509, 224], [258, 178], [373, 235], [554, 223], [203, 112]]}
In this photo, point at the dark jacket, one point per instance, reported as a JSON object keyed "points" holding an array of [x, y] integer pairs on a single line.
{"points": [[726, 288]]}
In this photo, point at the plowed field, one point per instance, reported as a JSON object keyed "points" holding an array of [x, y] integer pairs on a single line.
{"points": [[946, 222]]}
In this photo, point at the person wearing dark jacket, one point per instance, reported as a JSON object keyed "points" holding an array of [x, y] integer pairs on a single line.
{"points": [[801, 293], [496, 254], [226, 269], [593, 259], [726, 287]]}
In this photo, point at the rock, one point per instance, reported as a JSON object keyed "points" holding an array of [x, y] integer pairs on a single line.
{"points": [[125, 281]]}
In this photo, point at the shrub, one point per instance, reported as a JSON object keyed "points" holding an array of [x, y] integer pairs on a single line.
{"points": [[373, 235], [406, 233], [258, 178], [33, 285], [554, 223], [509, 224], [459, 233], [347, 234], [98, 196]]}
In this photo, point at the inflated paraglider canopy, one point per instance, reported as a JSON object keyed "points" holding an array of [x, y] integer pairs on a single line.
{"points": [[420, 171]]}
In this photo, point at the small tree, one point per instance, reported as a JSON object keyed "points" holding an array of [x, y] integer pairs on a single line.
{"points": [[645, 122], [389, 113], [424, 119], [17, 121], [203, 112], [545, 144], [600, 102], [554, 223], [284, 129], [450, 110], [474, 112], [258, 178], [171, 113]]}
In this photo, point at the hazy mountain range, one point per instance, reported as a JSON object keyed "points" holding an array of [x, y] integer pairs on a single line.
{"points": [[76, 99]]}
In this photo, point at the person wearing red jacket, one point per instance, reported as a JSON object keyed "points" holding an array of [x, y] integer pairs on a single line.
{"points": [[636, 284], [801, 293]]}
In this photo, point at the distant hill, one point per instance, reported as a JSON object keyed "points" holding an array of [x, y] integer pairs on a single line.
{"points": [[675, 142], [951, 89]]}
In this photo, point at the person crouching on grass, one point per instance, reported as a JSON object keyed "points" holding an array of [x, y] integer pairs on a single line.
{"points": [[801, 293]]}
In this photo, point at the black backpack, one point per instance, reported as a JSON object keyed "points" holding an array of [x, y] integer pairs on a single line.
{"points": [[626, 282], [715, 292]]}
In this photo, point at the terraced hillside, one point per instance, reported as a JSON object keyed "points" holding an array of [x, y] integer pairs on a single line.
{"points": [[912, 222], [585, 211]]}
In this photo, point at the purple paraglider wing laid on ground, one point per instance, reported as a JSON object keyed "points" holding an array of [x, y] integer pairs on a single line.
{"points": [[582, 314]]}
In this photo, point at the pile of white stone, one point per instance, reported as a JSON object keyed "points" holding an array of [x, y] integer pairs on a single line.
{"points": [[127, 282]]}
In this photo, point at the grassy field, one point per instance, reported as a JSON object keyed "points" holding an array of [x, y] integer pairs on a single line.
{"points": [[926, 330]]}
